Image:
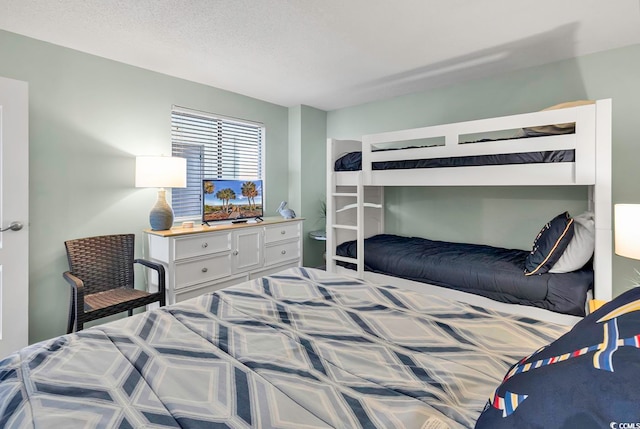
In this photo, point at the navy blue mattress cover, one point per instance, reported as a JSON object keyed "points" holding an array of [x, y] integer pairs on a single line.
{"points": [[492, 272], [352, 161]]}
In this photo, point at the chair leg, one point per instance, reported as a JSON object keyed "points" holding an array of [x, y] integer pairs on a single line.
{"points": [[72, 314], [70, 324]]}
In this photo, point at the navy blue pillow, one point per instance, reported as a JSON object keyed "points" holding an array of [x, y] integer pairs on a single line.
{"points": [[588, 378], [352, 161], [551, 242]]}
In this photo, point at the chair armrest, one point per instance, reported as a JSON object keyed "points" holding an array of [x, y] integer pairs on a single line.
{"points": [[159, 268], [77, 288], [73, 281]]}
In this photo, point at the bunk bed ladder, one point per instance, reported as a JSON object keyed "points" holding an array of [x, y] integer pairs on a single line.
{"points": [[345, 209], [333, 227], [360, 226]]}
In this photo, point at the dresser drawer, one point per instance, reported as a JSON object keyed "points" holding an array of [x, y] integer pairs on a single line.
{"points": [[202, 270], [281, 232], [198, 290], [202, 244], [282, 252]]}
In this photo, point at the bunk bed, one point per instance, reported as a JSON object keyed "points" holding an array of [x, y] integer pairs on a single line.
{"points": [[567, 145]]}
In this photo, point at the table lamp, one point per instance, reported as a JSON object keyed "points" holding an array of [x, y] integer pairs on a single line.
{"points": [[161, 172], [627, 230]]}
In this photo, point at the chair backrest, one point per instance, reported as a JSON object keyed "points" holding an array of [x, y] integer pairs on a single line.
{"points": [[102, 263]]}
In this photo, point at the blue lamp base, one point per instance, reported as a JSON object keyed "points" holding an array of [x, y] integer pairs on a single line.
{"points": [[161, 215]]}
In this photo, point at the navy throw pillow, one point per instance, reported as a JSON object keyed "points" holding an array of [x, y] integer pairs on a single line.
{"points": [[550, 243], [588, 378]]}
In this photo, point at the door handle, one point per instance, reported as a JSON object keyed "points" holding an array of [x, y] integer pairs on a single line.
{"points": [[13, 226]]}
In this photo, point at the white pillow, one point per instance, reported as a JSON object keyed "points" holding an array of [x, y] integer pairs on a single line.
{"points": [[581, 246]]}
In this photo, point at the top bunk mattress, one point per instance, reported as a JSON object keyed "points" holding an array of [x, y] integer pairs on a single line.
{"points": [[352, 161], [492, 272]]}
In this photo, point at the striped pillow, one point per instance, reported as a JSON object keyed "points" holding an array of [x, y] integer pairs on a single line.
{"points": [[550, 243]]}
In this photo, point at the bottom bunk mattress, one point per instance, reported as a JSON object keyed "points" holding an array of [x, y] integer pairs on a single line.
{"points": [[492, 272], [299, 349]]}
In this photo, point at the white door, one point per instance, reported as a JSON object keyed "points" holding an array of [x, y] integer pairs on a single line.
{"points": [[14, 213]]}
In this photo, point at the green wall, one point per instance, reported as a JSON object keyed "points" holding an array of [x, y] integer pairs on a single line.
{"points": [[295, 160], [313, 144], [307, 148], [508, 217], [89, 118]]}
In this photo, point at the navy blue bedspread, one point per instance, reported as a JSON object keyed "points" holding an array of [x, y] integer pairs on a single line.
{"points": [[492, 272], [352, 161]]}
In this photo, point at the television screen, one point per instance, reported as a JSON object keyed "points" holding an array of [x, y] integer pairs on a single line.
{"points": [[224, 199]]}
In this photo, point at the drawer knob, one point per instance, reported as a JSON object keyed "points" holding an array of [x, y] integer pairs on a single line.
{"points": [[284, 252], [283, 232], [205, 245], [205, 269], [235, 252]]}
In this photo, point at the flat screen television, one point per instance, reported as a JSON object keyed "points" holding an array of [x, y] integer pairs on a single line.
{"points": [[227, 199]]}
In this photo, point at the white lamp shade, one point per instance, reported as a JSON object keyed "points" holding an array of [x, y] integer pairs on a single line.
{"points": [[627, 230], [161, 172]]}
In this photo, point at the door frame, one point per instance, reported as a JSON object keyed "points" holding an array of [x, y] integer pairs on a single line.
{"points": [[14, 191]]}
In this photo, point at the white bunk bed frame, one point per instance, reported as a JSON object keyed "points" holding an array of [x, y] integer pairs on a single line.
{"points": [[363, 190]]}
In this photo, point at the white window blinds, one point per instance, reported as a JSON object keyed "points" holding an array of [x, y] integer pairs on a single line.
{"points": [[215, 148]]}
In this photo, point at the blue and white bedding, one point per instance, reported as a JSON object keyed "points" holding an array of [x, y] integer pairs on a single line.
{"points": [[301, 349]]}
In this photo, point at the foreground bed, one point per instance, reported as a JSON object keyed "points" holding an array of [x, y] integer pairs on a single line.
{"points": [[307, 349], [302, 349]]}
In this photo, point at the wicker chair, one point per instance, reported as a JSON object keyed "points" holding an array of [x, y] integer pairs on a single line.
{"points": [[101, 276]]}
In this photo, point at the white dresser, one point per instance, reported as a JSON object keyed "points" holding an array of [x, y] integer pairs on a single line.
{"points": [[203, 259]]}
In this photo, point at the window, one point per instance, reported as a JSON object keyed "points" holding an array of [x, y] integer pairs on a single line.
{"points": [[215, 148]]}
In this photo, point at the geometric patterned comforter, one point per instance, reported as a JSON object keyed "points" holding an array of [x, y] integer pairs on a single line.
{"points": [[300, 349]]}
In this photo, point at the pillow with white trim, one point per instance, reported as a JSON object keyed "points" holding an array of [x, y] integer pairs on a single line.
{"points": [[587, 378], [550, 243], [581, 247]]}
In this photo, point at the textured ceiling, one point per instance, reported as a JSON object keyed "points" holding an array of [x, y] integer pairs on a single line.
{"points": [[328, 53]]}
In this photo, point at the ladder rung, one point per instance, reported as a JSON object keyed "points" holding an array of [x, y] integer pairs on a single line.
{"points": [[344, 259], [344, 194], [353, 206], [350, 227]]}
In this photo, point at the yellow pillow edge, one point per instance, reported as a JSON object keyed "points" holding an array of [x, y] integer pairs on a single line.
{"points": [[565, 105], [568, 104]]}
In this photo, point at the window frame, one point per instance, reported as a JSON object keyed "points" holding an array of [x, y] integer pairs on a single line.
{"points": [[179, 148]]}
